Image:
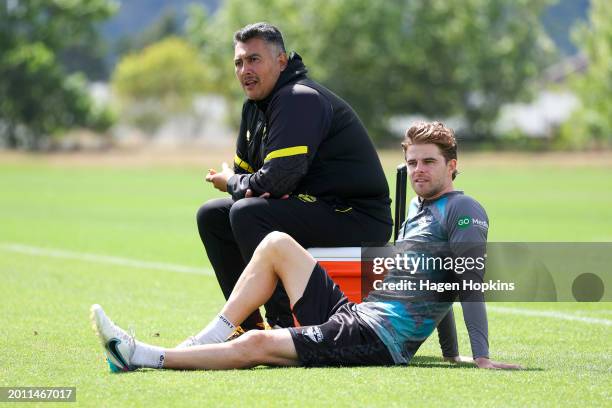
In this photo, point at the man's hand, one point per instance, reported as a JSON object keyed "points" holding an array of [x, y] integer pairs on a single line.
{"points": [[249, 193], [483, 362], [219, 180]]}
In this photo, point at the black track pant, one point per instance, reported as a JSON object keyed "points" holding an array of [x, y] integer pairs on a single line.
{"points": [[231, 230]]}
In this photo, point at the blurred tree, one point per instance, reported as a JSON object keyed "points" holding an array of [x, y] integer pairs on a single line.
{"points": [[214, 46], [432, 57], [165, 26], [159, 81], [87, 57], [37, 97], [591, 125]]}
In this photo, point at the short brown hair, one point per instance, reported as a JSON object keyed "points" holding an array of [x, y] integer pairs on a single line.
{"points": [[265, 31], [435, 133]]}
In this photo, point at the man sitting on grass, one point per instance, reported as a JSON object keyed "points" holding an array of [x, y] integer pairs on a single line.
{"points": [[387, 328]]}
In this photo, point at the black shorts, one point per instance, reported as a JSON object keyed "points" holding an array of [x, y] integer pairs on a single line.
{"points": [[331, 332]]}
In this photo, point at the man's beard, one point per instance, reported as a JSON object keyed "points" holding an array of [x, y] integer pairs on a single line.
{"points": [[431, 192]]}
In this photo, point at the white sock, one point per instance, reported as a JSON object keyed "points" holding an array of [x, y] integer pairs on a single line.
{"points": [[217, 331], [146, 355]]}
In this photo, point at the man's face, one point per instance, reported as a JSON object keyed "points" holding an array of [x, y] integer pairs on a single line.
{"points": [[258, 66], [430, 175]]}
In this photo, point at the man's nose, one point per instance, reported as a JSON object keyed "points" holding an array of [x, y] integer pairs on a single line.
{"points": [[245, 68]]}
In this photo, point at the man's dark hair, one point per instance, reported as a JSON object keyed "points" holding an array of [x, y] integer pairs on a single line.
{"points": [[436, 133], [264, 31]]}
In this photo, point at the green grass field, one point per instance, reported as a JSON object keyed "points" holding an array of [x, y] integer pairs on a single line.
{"points": [[67, 232]]}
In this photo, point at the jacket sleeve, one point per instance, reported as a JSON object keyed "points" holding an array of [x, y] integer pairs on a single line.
{"points": [[298, 119], [447, 335], [467, 225]]}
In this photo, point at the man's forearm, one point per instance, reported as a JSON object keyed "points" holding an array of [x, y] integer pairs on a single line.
{"points": [[237, 185], [475, 317]]}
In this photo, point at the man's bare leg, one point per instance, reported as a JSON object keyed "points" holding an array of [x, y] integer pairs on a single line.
{"points": [[277, 257], [256, 347]]}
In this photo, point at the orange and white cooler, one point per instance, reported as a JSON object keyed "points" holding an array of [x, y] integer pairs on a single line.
{"points": [[343, 264]]}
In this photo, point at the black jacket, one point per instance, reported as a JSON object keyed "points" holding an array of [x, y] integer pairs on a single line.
{"points": [[303, 139]]}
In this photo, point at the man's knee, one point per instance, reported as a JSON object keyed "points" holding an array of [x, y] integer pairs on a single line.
{"points": [[277, 244], [253, 347], [212, 214], [244, 212]]}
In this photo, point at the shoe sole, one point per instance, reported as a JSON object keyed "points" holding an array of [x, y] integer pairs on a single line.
{"points": [[93, 317], [95, 322]]}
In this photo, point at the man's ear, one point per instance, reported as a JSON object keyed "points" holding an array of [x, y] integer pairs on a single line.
{"points": [[283, 60], [452, 165]]}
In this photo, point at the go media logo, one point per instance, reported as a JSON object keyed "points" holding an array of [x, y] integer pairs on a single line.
{"points": [[464, 221]]}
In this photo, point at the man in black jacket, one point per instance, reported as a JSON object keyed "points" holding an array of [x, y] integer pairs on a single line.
{"points": [[304, 165]]}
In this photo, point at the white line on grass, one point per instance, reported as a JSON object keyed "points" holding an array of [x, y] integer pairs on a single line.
{"points": [[105, 259], [550, 314]]}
